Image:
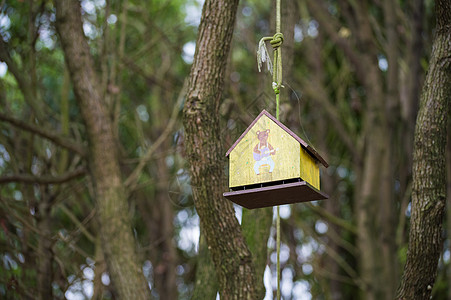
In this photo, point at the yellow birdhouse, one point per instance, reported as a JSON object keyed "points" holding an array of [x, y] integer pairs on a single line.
{"points": [[270, 165]]}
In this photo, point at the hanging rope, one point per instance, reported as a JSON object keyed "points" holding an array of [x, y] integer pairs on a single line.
{"points": [[276, 71], [263, 56]]}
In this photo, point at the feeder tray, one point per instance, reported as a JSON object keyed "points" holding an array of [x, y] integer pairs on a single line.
{"points": [[269, 165], [273, 195]]}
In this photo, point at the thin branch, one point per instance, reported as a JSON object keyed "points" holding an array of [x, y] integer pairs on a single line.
{"points": [[329, 24], [13, 213], [79, 225], [72, 245], [323, 272], [57, 139], [341, 242], [22, 81], [347, 268], [317, 92], [29, 178], [133, 178], [148, 77], [331, 218]]}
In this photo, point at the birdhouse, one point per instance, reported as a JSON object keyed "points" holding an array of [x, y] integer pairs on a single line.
{"points": [[270, 165]]}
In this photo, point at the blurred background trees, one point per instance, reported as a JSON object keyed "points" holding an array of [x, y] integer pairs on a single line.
{"points": [[353, 76]]}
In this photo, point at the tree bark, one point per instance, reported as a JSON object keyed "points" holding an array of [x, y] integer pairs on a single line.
{"points": [[115, 225], [429, 168], [228, 249]]}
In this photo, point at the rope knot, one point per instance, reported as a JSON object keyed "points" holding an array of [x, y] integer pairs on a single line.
{"points": [[276, 41], [276, 87]]}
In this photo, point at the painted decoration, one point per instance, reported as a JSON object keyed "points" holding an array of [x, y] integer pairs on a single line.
{"points": [[263, 151]]}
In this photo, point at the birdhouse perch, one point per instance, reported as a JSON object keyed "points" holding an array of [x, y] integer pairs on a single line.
{"points": [[270, 165]]}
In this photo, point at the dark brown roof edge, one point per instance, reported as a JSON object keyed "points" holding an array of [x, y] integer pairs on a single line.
{"points": [[306, 146], [246, 131]]}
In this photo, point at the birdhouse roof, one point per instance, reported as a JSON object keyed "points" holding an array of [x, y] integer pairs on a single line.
{"points": [[304, 145]]}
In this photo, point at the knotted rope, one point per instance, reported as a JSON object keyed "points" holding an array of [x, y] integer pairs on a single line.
{"points": [[276, 42], [263, 56]]}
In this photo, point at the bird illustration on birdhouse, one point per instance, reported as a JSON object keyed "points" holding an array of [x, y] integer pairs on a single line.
{"points": [[270, 165]]}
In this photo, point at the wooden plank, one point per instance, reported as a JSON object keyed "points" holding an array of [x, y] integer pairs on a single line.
{"points": [[276, 195], [309, 169]]}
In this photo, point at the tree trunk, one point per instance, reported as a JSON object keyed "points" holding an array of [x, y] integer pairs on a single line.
{"points": [[256, 226], [45, 253], [372, 149], [448, 163], [206, 283], [412, 79], [375, 203], [115, 225], [374, 198], [429, 168], [228, 249], [100, 268], [409, 98], [166, 264]]}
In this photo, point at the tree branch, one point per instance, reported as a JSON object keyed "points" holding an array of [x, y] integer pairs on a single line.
{"points": [[347, 268], [133, 178], [331, 218], [316, 91], [330, 24], [46, 179], [22, 81], [80, 225], [57, 139], [150, 79]]}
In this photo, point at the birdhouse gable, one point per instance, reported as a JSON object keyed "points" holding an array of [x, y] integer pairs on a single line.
{"points": [[269, 152], [310, 150]]}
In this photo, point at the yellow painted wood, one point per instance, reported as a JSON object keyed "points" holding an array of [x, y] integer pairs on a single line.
{"points": [[287, 162], [309, 169]]}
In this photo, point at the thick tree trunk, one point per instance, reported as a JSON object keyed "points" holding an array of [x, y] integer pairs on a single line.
{"points": [[429, 168], [115, 225], [228, 249]]}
